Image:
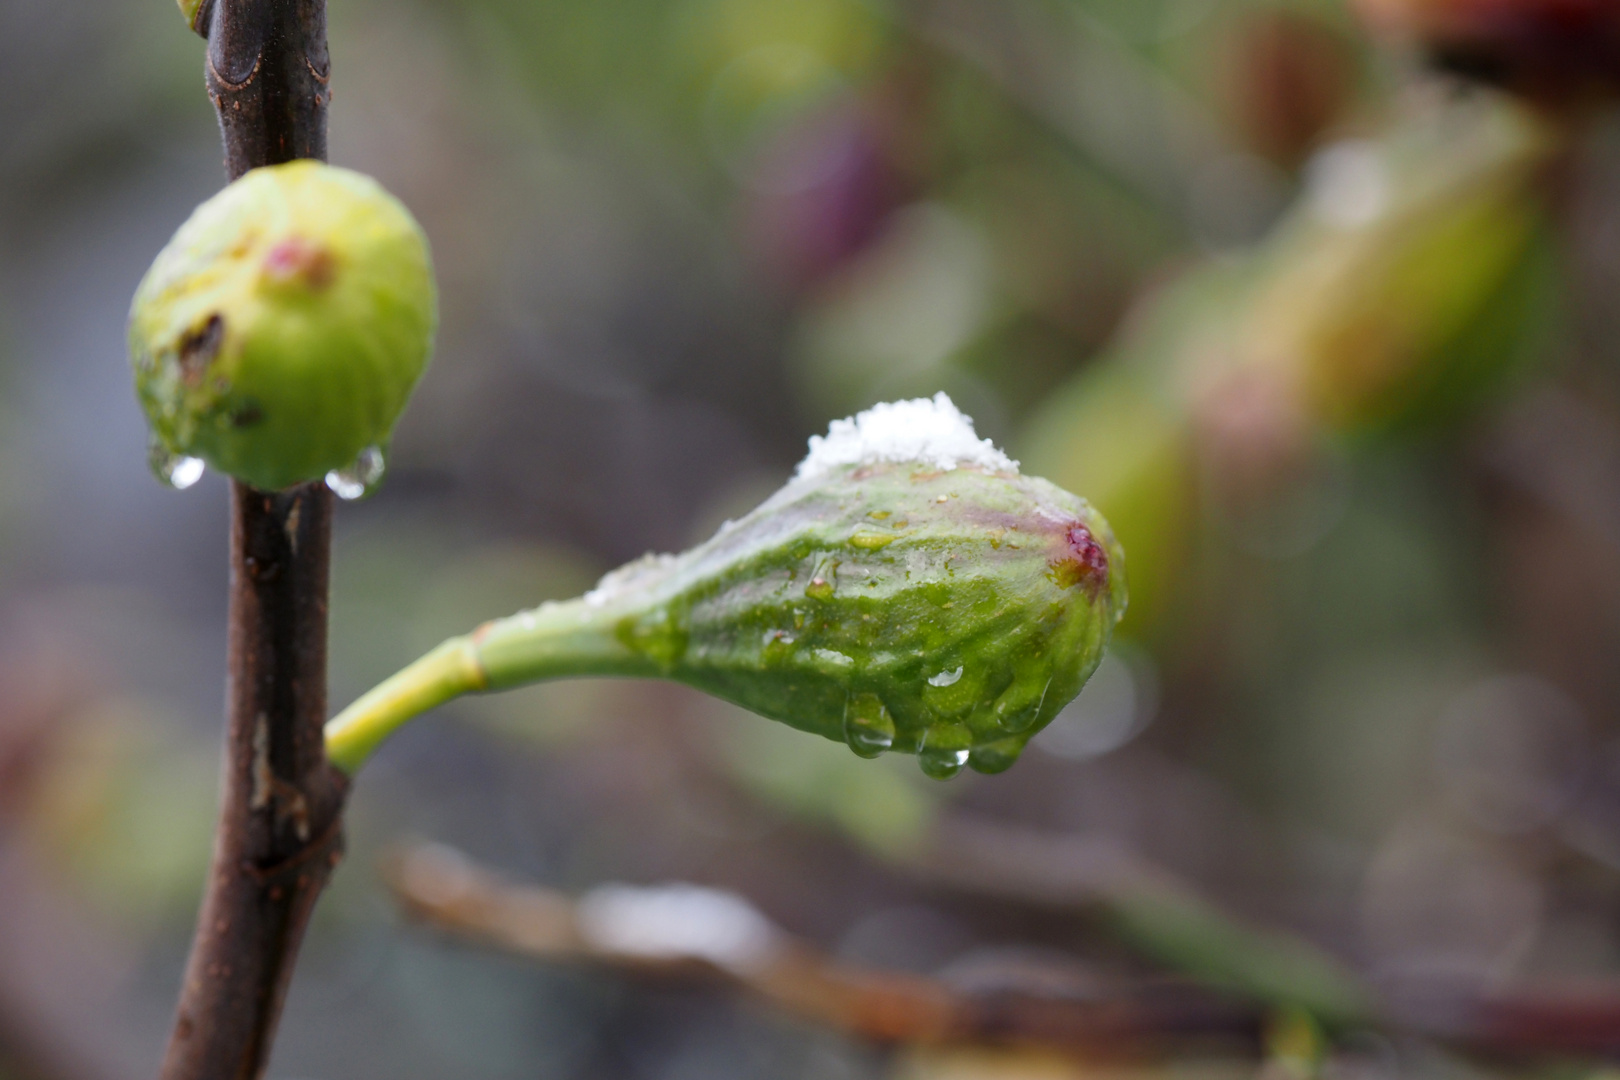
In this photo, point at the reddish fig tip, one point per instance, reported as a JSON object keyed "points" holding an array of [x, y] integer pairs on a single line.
{"points": [[1084, 562]]}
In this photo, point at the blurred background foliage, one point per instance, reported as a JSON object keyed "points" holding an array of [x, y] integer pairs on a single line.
{"points": [[1331, 337]]}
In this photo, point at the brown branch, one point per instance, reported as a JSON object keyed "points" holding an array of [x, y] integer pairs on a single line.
{"points": [[1538, 1020], [280, 826], [267, 76], [1153, 1021], [280, 829]]}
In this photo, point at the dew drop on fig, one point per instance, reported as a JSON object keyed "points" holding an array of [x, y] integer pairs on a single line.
{"points": [[995, 757], [868, 727], [360, 477], [944, 750], [176, 470]]}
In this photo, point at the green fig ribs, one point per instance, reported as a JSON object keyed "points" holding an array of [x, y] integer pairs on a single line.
{"points": [[948, 613]]}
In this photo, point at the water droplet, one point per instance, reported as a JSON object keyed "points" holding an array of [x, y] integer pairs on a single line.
{"points": [[1017, 719], [947, 678], [995, 757], [177, 470], [361, 477], [868, 727], [1020, 704], [944, 750]]}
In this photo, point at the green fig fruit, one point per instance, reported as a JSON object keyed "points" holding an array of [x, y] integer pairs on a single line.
{"points": [[919, 596], [1410, 282], [280, 333]]}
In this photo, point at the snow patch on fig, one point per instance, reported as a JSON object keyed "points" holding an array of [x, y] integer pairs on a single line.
{"points": [[929, 431]]}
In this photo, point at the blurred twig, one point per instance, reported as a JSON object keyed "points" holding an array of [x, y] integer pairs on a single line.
{"points": [[439, 886]]}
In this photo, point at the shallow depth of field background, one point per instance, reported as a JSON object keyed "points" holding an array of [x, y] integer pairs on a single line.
{"points": [[1371, 694]]}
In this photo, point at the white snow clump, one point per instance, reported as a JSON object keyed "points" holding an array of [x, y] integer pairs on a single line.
{"points": [[930, 431]]}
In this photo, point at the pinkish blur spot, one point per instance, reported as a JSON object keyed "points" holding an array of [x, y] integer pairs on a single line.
{"points": [[301, 261]]}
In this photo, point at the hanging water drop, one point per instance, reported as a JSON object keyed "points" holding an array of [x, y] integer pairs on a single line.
{"points": [[361, 477], [944, 750], [868, 727], [176, 470], [995, 757], [1020, 705], [1017, 719]]}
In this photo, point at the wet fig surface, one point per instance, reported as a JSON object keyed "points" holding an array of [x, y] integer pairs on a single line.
{"points": [[279, 334], [947, 612]]}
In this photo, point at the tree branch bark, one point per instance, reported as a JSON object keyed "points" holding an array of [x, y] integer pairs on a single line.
{"points": [[267, 76], [280, 828]]}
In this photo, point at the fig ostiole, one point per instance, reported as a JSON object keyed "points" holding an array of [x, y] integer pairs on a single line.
{"points": [[909, 590], [279, 334]]}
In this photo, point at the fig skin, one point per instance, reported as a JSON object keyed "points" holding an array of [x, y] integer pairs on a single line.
{"points": [[886, 599], [889, 606], [282, 330]]}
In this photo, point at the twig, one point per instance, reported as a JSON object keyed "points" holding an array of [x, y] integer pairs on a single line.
{"points": [[280, 828], [280, 825], [441, 887], [267, 76]]}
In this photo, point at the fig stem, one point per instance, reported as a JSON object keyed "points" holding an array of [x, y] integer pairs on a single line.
{"points": [[449, 671], [557, 641]]}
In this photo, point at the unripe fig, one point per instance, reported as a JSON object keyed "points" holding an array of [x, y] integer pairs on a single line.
{"points": [[919, 596], [280, 333]]}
